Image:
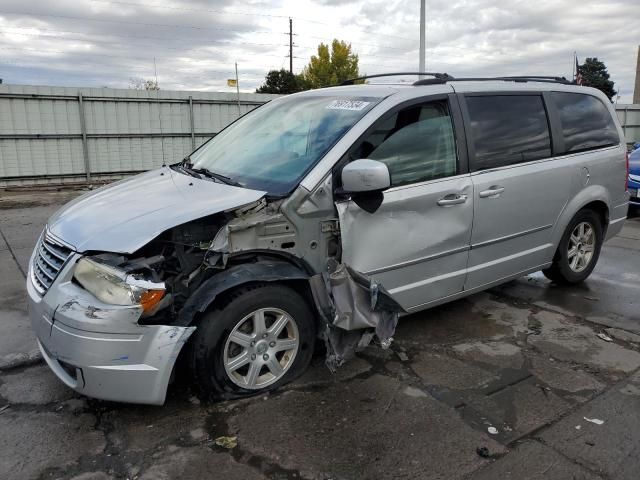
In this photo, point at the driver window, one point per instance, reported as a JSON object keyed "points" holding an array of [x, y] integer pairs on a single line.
{"points": [[416, 143]]}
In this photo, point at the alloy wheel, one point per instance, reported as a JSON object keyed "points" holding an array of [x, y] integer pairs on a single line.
{"points": [[581, 247], [261, 348]]}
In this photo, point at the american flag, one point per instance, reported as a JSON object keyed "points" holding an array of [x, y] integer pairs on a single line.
{"points": [[578, 74]]}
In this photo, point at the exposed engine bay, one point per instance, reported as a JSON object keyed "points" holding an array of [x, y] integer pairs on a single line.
{"points": [[188, 266]]}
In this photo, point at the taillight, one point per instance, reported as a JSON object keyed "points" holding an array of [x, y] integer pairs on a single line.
{"points": [[626, 178]]}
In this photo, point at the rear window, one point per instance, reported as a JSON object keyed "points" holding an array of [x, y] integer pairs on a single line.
{"points": [[586, 122], [508, 129]]}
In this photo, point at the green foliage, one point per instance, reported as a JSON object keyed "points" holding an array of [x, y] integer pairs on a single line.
{"points": [[594, 74], [137, 83], [282, 82], [331, 68]]}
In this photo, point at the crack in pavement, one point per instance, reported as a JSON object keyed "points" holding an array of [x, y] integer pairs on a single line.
{"points": [[13, 255]]}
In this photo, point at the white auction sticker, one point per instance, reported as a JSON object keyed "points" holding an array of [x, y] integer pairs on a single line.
{"points": [[355, 105]]}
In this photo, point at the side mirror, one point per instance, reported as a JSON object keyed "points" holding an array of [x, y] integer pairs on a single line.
{"points": [[365, 176], [365, 180]]}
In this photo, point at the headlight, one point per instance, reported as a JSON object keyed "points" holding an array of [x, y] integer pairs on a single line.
{"points": [[116, 287]]}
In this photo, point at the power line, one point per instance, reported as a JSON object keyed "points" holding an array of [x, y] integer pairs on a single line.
{"points": [[142, 37], [92, 54], [225, 12], [112, 43], [290, 46], [169, 25], [123, 22]]}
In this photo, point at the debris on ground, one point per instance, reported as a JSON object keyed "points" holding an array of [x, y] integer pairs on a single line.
{"points": [[402, 356], [492, 430], [597, 421], [483, 452], [593, 299], [2, 409], [605, 337], [226, 442], [622, 335]]}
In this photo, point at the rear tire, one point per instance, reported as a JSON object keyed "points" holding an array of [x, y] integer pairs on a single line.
{"points": [[578, 251], [262, 338]]}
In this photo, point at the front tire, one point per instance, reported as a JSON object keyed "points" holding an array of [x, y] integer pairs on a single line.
{"points": [[262, 338], [578, 251]]}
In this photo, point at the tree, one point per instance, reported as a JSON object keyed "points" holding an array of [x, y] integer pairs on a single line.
{"points": [[594, 74], [326, 69], [137, 83], [281, 81]]}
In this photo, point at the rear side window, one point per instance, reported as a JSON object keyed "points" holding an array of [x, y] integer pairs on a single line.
{"points": [[586, 122], [508, 129]]}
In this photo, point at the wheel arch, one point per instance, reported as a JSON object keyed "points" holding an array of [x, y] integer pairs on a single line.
{"points": [[594, 198], [263, 270]]}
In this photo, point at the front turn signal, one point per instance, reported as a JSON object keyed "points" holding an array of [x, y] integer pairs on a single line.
{"points": [[151, 298]]}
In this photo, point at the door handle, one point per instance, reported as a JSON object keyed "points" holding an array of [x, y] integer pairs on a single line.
{"points": [[493, 192], [452, 199]]}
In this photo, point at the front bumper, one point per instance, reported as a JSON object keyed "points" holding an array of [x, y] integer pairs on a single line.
{"points": [[100, 350]]}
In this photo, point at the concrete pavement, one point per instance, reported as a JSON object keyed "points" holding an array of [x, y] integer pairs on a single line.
{"points": [[523, 359]]}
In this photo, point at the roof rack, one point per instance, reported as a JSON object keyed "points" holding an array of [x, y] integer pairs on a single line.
{"points": [[438, 77], [523, 78], [445, 77]]}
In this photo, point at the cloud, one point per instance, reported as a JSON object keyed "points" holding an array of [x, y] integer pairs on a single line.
{"points": [[195, 43]]}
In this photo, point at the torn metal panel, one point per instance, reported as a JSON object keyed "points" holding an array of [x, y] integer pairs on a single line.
{"points": [[355, 309], [360, 303], [260, 229]]}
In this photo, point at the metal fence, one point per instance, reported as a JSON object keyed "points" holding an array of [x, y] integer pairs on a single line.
{"points": [[64, 135], [629, 116], [53, 135]]}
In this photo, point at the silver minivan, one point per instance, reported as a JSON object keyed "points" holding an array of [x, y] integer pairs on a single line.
{"points": [[323, 216]]}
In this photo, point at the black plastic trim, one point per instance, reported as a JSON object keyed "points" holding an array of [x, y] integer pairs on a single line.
{"points": [[261, 271], [557, 139]]}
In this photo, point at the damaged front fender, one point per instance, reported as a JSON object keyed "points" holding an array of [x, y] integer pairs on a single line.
{"points": [[355, 310], [260, 271]]}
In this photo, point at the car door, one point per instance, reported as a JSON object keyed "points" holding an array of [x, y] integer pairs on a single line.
{"points": [[416, 243], [519, 188]]}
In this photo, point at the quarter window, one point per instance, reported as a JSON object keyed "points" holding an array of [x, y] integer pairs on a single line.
{"points": [[508, 129], [416, 143], [586, 122]]}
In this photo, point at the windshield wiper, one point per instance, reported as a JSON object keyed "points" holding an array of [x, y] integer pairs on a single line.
{"points": [[217, 176], [186, 169]]}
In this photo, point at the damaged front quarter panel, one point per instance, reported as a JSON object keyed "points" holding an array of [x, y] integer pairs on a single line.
{"points": [[355, 310]]}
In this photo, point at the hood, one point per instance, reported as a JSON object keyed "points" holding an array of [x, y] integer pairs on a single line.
{"points": [[126, 215]]}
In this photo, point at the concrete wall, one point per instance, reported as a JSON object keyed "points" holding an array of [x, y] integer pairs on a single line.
{"points": [[52, 135]]}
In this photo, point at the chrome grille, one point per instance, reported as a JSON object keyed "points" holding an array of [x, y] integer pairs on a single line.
{"points": [[50, 257]]}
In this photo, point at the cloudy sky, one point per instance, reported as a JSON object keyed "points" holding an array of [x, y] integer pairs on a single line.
{"points": [[196, 42]]}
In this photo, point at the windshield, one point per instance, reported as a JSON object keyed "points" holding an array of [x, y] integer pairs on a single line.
{"points": [[272, 148]]}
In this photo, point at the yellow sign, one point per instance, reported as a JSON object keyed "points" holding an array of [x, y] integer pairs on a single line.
{"points": [[232, 82]]}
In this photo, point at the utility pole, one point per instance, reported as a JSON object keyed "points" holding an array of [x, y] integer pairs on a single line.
{"points": [[423, 35], [238, 90], [155, 70], [290, 46]]}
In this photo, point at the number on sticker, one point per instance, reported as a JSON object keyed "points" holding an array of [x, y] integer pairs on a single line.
{"points": [[355, 105]]}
